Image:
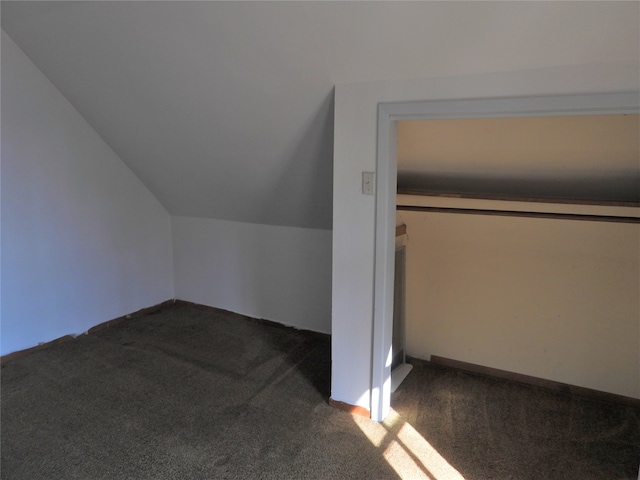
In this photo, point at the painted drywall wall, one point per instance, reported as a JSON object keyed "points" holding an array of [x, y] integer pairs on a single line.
{"points": [[83, 241], [275, 273], [552, 298], [355, 133]]}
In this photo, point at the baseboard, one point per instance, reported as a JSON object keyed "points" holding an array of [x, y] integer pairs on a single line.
{"points": [[100, 326], [260, 321], [347, 407], [40, 346], [148, 310], [536, 381], [136, 314]]}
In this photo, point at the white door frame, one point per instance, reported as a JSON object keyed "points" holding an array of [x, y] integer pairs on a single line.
{"points": [[386, 178]]}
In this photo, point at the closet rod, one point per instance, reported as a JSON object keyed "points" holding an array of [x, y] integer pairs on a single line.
{"points": [[515, 213]]}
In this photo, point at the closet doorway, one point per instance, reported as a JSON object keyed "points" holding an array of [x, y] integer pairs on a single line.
{"points": [[388, 116]]}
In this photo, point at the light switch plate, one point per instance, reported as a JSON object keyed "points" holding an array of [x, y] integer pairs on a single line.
{"points": [[368, 183]]}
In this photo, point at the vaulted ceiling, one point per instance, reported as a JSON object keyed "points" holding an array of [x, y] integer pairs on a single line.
{"points": [[225, 109]]}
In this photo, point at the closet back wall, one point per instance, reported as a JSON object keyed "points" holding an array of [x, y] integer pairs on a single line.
{"points": [[551, 298]]}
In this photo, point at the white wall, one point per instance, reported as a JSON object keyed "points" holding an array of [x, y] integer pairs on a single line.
{"points": [[355, 132], [83, 241], [552, 298], [276, 273]]}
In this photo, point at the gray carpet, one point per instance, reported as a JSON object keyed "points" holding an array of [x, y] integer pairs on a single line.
{"points": [[191, 394]]}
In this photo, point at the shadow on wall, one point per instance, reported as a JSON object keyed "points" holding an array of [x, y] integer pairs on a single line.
{"points": [[303, 288], [307, 173], [272, 271], [619, 186]]}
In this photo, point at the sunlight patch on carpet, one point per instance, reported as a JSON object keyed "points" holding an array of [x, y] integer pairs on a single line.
{"points": [[405, 450]]}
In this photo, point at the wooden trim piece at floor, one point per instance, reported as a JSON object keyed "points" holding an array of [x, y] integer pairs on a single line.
{"points": [[347, 407], [259, 321], [66, 338], [41, 346], [136, 314], [536, 381]]}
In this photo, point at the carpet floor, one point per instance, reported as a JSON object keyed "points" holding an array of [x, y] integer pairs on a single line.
{"points": [[191, 394]]}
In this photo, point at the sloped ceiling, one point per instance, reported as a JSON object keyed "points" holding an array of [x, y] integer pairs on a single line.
{"points": [[579, 158], [225, 109]]}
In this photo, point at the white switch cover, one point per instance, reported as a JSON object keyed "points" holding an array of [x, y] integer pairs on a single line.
{"points": [[368, 183]]}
